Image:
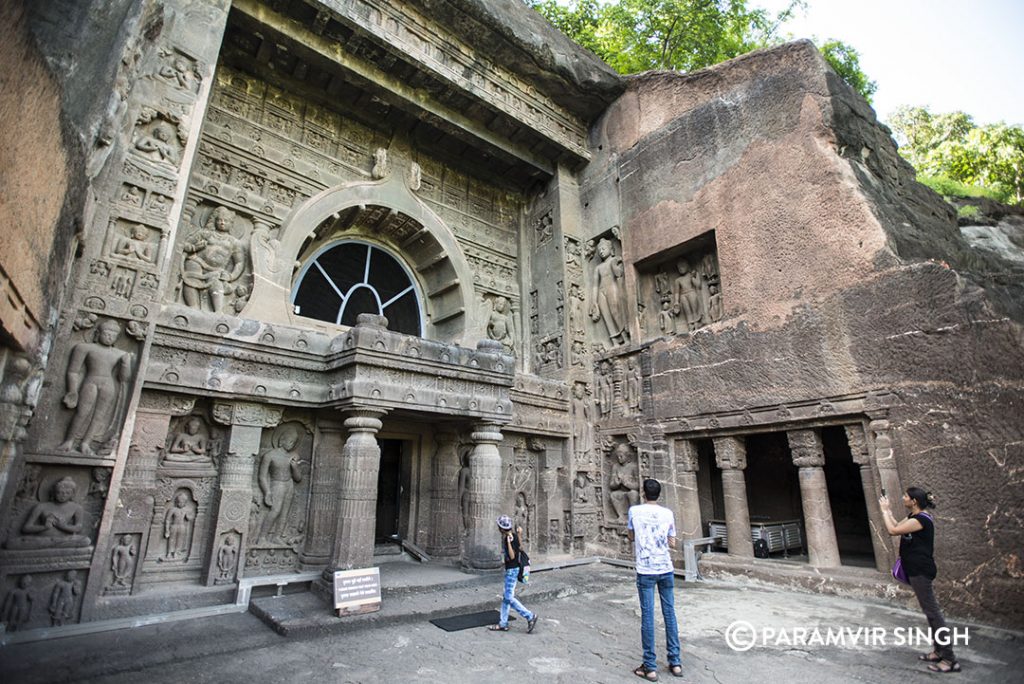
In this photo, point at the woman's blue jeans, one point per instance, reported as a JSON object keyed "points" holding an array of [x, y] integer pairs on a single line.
{"points": [[509, 598], [665, 584]]}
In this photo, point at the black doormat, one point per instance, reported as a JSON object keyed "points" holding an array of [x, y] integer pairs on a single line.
{"points": [[457, 622]]}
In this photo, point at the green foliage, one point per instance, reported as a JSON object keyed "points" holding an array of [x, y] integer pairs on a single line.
{"points": [[846, 62], [951, 188], [968, 211], [683, 35], [952, 147]]}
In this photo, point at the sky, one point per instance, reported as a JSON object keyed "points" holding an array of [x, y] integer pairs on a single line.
{"points": [[946, 55]]}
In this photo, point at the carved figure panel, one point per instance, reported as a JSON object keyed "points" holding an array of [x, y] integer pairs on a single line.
{"points": [[193, 446], [159, 138], [178, 525], [50, 510], [608, 298], [97, 385], [214, 259], [226, 556], [684, 291], [623, 481], [582, 408], [280, 491], [18, 603], [501, 322], [123, 561]]}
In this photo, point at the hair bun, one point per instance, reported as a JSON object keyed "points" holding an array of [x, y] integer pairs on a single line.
{"points": [[931, 499]]}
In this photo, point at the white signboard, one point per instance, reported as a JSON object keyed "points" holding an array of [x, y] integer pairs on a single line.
{"points": [[357, 590]]}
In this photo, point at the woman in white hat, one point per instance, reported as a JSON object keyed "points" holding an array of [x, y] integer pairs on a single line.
{"points": [[511, 549]]}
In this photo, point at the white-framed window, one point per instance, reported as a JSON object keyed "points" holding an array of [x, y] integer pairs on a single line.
{"points": [[346, 278]]}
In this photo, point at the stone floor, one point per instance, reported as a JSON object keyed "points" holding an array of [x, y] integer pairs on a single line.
{"points": [[588, 632]]}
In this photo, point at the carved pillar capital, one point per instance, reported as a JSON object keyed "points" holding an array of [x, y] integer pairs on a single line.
{"points": [[487, 433], [858, 442], [686, 455], [881, 433], [364, 420], [730, 453], [806, 448]]}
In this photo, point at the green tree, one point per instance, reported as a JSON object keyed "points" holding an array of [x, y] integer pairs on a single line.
{"points": [[846, 62], [683, 35], [950, 146]]}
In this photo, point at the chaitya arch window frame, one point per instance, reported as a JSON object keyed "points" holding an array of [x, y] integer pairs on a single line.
{"points": [[362, 282]]}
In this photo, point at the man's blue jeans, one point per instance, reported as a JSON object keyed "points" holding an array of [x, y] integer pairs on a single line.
{"points": [[645, 585], [509, 598]]}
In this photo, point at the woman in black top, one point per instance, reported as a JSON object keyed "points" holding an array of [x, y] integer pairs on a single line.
{"points": [[917, 543]]}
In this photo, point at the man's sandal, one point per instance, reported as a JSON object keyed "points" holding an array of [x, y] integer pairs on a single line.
{"points": [[676, 670], [644, 673], [932, 657], [497, 628], [945, 666]]}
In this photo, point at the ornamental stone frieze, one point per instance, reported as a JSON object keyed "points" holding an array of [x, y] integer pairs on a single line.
{"points": [[207, 354]]}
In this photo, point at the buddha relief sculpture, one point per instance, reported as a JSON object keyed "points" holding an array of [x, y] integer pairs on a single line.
{"points": [[158, 145], [605, 389], [463, 489], [17, 606], [97, 388], [227, 559], [178, 521], [634, 385], [688, 305], [56, 523], [623, 481], [280, 470], [608, 302], [576, 305], [583, 490], [213, 259], [667, 318], [501, 324], [135, 245], [521, 514], [381, 167], [582, 424], [179, 73], [189, 445], [122, 562], [63, 598]]}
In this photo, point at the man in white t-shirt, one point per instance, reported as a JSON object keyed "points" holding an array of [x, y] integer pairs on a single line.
{"points": [[652, 529]]}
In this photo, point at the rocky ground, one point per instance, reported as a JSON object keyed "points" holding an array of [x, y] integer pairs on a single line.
{"points": [[588, 632]]}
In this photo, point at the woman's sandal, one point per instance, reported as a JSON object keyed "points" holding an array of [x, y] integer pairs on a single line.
{"points": [[497, 628], [950, 666], [676, 670], [932, 657], [644, 673]]}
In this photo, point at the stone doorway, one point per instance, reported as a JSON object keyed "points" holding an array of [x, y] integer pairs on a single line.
{"points": [[393, 481], [846, 498]]}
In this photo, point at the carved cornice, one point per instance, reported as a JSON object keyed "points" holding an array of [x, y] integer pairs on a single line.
{"points": [[367, 366], [796, 415]]}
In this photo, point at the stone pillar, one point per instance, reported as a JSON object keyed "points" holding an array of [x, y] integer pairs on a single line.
{"points": [[356, 499], [483, 548], [888, 475], [857, 440], [443, 537], [731, 457], [688, 523], [322, 515], [808, 456], [234, 495]]}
